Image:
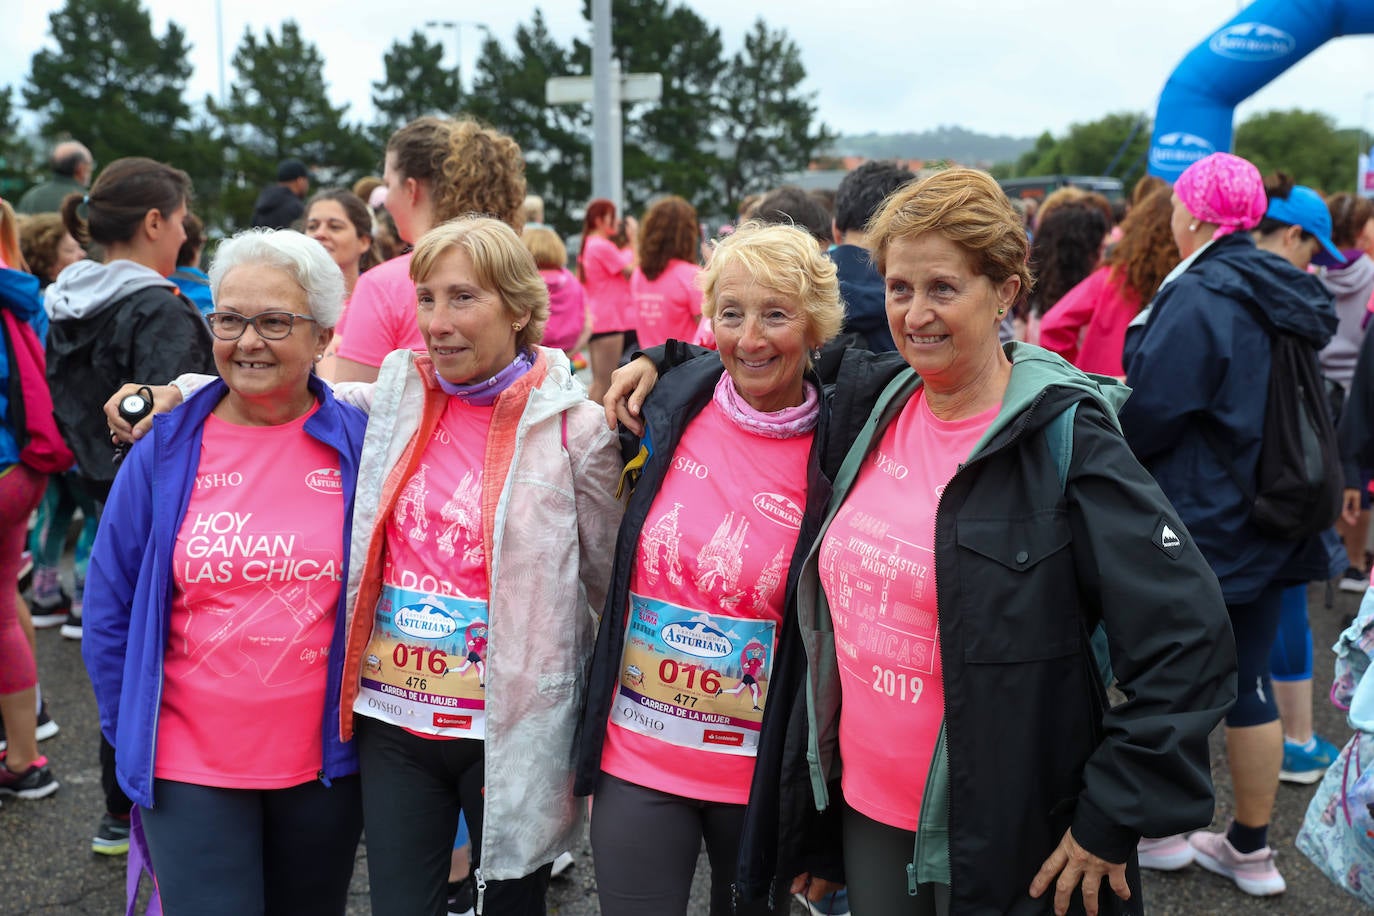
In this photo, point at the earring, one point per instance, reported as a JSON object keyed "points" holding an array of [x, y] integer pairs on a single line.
{"points": [[1192, 227], [515, 326], [1001, 311], [319, 356]]}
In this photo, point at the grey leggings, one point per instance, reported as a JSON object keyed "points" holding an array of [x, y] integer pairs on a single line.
{"points": [[875, 861], [645, 845]]}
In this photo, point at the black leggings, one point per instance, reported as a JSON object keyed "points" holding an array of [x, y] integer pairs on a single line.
{"points": [[1255, 625], [645, 845], [413, 788], [250, 851], [876, 857]]}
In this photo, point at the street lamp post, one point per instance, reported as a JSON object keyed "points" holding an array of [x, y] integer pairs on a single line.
{"points": [[457, 26]]}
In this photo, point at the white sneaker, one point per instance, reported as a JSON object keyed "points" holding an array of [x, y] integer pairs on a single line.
{"points": [[1168, 853], [1253, 872]]}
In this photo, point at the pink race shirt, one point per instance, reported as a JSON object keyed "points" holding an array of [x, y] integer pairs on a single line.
{"points": [[877, 566], [608, 292], [668, 306], [381, 315], [706, 598], [425, 667], [257, 568]]}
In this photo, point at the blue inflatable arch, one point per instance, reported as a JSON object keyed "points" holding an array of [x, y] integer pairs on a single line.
{"points": [[1199, 101]]}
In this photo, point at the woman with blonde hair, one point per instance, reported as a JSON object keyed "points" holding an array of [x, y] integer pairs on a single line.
{"points": [[436, 169], [707, 554]]}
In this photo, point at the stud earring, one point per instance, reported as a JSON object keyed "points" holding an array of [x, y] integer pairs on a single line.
{"points": [[515, 326], [1192, 227]]}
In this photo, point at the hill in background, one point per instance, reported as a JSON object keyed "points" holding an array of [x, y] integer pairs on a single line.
{"points": [[947, 142]]}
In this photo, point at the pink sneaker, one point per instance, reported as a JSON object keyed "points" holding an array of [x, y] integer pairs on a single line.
{"points": [[1253, 872], [1168, 853]]}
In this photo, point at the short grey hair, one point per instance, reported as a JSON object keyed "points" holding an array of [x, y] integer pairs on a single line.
{"points": [[304, 259]]}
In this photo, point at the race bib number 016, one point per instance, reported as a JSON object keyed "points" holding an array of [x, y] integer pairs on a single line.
{"points": [[426, 666], [694, 679]]}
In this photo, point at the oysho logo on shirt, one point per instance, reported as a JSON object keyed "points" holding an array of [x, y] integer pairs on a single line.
{"points": [[688, 466], [1252, 42], [325, 480], [207, 481], [889, 466]]}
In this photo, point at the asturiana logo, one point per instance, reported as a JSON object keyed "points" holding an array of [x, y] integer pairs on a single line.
{"points": [[1178, 150], [778, 508], [325, 480], [697, 639], [1252, 41], [424, 621]]}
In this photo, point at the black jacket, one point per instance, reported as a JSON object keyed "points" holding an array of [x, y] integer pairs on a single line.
{"points": [[1026, 569], [277, 207], [152, 335]]}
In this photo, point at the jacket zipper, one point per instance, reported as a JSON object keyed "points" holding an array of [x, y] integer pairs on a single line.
{"points": [[949, 795]]}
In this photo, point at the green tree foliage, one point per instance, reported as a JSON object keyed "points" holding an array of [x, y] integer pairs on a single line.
{"points": [[110, 82], [1305, 144], [278, 109], [508, 93], [415, 83], [1089, 148], [766, 124], [19, 166]]}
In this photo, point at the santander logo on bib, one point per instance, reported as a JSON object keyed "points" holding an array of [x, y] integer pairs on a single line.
{"points": [[778, 508], [325, 480], [697, 638]]}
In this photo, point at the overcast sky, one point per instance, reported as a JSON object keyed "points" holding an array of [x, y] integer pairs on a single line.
{"points": [[996, 66]]}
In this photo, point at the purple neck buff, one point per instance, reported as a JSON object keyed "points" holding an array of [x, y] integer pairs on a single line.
{"points": [[485, 392]]}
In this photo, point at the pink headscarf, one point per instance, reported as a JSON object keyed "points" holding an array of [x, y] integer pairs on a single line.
{"points": [[1223, 189]]}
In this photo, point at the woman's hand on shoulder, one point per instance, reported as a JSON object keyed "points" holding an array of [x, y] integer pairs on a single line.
{"points": [[1074, 865], [165, 397], [624, 399]]}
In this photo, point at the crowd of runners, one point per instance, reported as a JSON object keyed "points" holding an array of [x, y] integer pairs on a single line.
{"points": [[901, 544]]}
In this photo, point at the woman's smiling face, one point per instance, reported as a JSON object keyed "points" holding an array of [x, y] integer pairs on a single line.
{"points": [[943, 314]]}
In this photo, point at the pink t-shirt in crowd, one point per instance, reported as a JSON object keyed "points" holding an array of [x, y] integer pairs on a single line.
{"points": [[257, 568], [425, 666], [608, 290], [877, 566], [567, 308], [381, 314], [1088, 325], [669, 306], [706, 598]]}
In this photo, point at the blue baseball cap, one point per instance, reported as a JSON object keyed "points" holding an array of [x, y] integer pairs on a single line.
{"points": [[1305, 208]]}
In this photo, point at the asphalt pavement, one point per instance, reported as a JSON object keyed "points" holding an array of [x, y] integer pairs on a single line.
{"points": [[48, 867]]}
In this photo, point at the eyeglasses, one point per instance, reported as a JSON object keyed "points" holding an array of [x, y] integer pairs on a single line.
{"points": [[269, 325]]}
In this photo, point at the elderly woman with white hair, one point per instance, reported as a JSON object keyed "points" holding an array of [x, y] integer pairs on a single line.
{"points": [[214, 606]]}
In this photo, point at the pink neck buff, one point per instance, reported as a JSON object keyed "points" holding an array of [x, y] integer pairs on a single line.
{"points": [[1223, 189], [779, 424]]}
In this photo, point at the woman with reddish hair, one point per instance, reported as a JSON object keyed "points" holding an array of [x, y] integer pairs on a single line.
{"points": [[604, 270], [663, 289]]}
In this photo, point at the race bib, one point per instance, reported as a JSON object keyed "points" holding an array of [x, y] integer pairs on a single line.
{"points": [[426, 666], [694, 679]]}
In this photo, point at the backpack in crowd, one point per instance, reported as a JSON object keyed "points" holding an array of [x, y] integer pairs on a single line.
{"points": [[1298, 480]]}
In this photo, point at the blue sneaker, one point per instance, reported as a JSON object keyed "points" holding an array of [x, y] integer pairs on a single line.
{"points": [[1304, 766]]}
